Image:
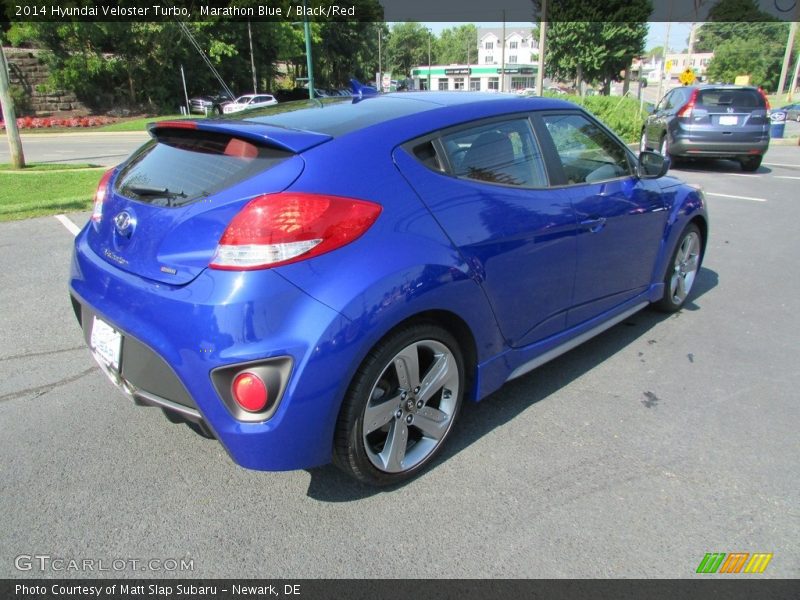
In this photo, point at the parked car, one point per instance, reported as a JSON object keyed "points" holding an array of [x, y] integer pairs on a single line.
{"points": [[710, 121], [209, 105], [792, 112], [329, 281], [249, 101]]}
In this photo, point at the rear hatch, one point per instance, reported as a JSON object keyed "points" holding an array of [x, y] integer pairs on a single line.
{"points": [[727, 114], [167, 206]]}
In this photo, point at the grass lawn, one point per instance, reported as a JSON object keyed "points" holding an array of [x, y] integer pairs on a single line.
{"points": [[136, 124], [46, 190]]}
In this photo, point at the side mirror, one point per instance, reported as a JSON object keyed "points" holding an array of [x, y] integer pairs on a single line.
{"points": [[652, 165]]}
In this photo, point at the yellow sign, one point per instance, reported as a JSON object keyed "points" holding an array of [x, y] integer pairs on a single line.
{"points": [[742, 80], [668, 66], [687, 77]]}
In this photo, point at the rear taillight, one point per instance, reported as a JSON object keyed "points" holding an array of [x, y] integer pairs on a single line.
{"points": [[766, 100], [686, 109], [277, 229], [100, 196]]}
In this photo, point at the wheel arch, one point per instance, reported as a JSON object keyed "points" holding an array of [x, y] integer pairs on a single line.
{"points": [[460, 330]]}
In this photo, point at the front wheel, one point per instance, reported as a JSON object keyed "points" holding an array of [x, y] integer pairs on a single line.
{"points": [[682, 270], [401, 405]]}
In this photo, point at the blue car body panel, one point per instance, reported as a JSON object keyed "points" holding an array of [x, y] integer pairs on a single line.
{"points": [[517, 268]]}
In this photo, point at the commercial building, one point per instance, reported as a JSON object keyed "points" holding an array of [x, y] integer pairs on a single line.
{"points": [[488, 74]]}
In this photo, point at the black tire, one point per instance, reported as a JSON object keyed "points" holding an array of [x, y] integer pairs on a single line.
{"points": [[750, 163], [682, 270], [409, 410]]}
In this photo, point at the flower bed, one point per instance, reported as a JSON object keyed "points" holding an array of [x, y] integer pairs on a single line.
{"points": [[48, 122]]}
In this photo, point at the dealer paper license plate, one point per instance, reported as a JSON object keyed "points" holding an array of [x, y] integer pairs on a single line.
{"points": [[728, 120], [106, 343]]}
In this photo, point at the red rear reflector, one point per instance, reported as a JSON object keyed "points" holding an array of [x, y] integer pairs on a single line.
{"points": [[277, 229], [250, 392], [686, 110], [100, 196]]}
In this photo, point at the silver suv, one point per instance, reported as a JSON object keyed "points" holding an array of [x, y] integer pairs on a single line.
{"points": [[710, 121]]}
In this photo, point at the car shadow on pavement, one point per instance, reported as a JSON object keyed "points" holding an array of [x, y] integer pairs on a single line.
{"points": [[713, 165], [329, 484]]}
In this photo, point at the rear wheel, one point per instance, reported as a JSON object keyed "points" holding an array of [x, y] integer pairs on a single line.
{"points": [[401, 406], [750, 163], [682, 270]]}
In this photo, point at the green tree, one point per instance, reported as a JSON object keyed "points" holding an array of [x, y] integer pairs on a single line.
{"points": [[407, 47], [594, 43], [746, 57], [732, 20], [457, 45], [745, 41]]}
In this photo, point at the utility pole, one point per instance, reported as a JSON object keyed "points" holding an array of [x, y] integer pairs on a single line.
{"points": [[503, 56], [793, 85], [252, 60], [10, 115], [430, 88], [309, 61], [663, 70], [379, 84], [542, 42], [787, 57]]}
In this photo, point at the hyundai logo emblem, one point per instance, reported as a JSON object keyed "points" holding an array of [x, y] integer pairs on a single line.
{"points": [[124, 223]]}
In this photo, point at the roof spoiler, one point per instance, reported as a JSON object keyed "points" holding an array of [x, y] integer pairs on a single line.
{"points": [[361, 90]]}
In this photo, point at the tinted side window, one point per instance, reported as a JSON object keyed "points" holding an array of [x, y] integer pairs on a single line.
{"points": [[504, 153], [587, 153]]}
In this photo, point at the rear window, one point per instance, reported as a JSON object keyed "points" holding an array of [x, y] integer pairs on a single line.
{"points": [[727, 97], [181, 166]]}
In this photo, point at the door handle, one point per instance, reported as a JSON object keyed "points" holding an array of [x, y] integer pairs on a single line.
{"points": [[594, 225]]}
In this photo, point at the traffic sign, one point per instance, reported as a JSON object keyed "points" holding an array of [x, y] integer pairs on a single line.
{"points": [[687, 77]]}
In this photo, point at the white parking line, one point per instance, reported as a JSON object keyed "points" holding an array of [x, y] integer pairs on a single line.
{"points": [[71, 227], [737, 197], [785, 177], [742, 175], [781, 165]]}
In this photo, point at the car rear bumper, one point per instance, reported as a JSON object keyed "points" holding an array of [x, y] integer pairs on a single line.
{"points": [[174, 337], [684, 146]]}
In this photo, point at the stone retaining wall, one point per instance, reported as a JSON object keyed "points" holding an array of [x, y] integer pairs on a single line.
{"points": [[28, 70]]}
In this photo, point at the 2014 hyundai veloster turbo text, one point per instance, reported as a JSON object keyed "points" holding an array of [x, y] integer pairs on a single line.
{"points": [[329, 280]]}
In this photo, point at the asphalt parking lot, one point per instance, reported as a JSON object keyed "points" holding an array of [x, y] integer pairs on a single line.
{"points": [[663, 439]]}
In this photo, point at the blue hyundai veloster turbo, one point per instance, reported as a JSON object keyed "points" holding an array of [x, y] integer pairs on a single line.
{"points": [[329, 280]]}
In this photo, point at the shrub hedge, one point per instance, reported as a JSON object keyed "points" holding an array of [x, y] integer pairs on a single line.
{"points": [[620, 114]]}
